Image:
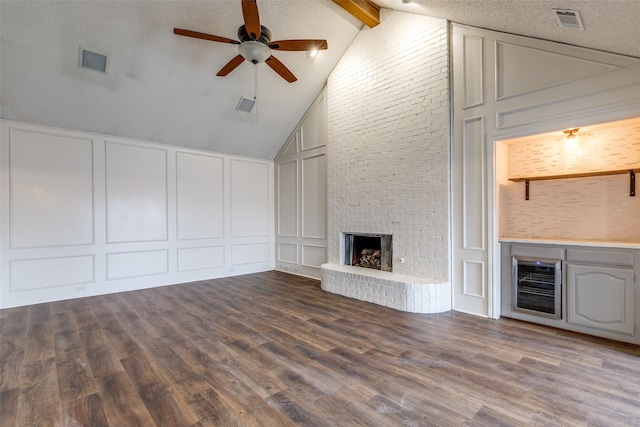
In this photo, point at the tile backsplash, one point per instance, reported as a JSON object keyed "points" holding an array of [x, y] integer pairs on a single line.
{"points": [[593, 208]]}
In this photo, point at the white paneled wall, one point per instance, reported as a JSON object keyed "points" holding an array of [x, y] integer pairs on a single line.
{"points": [[507, 86], [84, 214], [52, 189], [301, 193], [200, 211], [136, 193]]}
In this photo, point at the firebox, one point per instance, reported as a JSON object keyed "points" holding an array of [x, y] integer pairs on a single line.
{"points": [[368, 250]]}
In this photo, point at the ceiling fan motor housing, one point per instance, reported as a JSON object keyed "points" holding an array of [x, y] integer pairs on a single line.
{"points": [[265, 35], [254, 51]]}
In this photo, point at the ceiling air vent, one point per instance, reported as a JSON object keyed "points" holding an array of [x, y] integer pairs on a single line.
{"points": [[93, 61], [569, 19], [245, 105]]}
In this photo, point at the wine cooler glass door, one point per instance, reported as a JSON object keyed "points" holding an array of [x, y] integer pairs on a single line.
{"points": [[537, 286]]}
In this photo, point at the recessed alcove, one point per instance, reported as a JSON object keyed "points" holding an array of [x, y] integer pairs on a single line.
{"points": [[573, 193]]}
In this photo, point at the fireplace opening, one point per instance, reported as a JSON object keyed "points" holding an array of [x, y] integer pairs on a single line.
{"points": [[368, 251]]}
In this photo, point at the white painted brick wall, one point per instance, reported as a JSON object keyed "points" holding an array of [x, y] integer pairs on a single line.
{"points": [[388, 142], [401, 292]]}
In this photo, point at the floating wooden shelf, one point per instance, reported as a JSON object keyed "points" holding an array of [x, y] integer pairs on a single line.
{"points": [[631, 172]]}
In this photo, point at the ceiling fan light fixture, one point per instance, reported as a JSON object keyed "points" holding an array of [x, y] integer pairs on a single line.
{"points": [[312, 53], [571, 133], [254, 52]]}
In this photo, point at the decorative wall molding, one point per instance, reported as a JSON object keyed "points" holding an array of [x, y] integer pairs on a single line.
{"points": [[201, 258], [38, 273], [301, 193], [136, 192], [531, 86], [127, 265], [199, 208], [50, 210], [126, 202]]}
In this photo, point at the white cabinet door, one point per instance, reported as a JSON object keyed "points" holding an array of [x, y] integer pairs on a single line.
{"points": [[600, 297]]}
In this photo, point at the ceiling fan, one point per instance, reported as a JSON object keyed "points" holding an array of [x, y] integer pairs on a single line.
{"points": [[255, 43]]}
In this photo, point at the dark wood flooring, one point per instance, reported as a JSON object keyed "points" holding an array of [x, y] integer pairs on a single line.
{"points": [[272, 349]]}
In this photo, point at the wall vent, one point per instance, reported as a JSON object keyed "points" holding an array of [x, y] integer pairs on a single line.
{"points": [[569, 19], [245, 105], [93, 61]]}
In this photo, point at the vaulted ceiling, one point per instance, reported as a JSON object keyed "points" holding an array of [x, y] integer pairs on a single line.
{"points": [[162, 87]]}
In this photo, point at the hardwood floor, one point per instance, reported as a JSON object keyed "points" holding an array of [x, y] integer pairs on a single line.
{"points": [[272, 349]]}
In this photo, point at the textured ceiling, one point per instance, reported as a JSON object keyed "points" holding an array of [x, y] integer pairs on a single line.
{"points": [[159, 86], [610, 25], [162, 87]]}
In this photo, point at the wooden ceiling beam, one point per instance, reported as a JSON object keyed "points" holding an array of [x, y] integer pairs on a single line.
{"points": [[365, 10]]}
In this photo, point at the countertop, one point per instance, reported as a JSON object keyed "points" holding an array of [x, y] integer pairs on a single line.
{"points": [[570, 242]]}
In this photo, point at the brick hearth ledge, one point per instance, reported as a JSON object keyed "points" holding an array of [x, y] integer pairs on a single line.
{"points": [[405, 293]]}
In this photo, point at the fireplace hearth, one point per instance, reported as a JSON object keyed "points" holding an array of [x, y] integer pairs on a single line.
{"points": [[368, 251]]}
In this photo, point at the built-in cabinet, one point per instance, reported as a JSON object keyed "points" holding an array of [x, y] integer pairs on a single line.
{"points": [[600, 294], [600, 290]]}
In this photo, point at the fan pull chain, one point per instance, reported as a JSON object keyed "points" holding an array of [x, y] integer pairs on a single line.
{"points": [[255, 88], [255, 81]]}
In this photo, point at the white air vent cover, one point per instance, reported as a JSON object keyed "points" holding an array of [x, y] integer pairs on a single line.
{"points": [[245, 105], [569, 19], [93, 61]]}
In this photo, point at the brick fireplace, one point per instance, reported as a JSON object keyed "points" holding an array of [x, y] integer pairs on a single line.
{"points": [[388, 162]]}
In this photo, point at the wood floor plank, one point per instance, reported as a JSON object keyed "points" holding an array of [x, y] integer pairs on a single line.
{"points": [[85, 411], [39, 341], [9, 407], [12, 342], [162, 402], [39, 402], [272, 349], [121, 403], [75, 378]]}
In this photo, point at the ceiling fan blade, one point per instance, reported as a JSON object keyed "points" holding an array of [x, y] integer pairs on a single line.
{"points": [[298, 45], [203, 36], [279, 68], [251, 18], [231, 65]]}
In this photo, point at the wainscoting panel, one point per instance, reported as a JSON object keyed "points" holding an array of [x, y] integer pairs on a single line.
{"points": [[90, 214], [314, 129], [249, 199], [474, 279], [136, 181], [473, 172], [551, 69], [200, 258], [301, 192], [31, 274], [314, 196], [200, 196], [288, 252], [136, 264], [287, 183], [473, 71], [249, 253], [51, 180], [314, 256]]}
